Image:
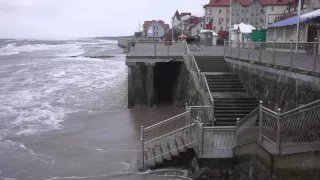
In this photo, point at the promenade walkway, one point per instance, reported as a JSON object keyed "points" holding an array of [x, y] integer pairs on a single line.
{"points": [[302, 60]]}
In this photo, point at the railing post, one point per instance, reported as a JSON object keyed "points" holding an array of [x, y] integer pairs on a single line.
{"points": [[260, 122], [224, 48], [213, 119], [239, 50], [273, 51], [291, 52], [314, 53], [187, 115], [142, 148], [238, 140], [202, 138], [259, 56], [248, 52], [231, 49], [185, 47], [155, 49], [278, 131]]}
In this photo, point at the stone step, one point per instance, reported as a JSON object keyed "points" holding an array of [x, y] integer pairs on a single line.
{"points": [[166, 152], [224, 82], [180, 144], [213, 69], [151, 163], [223, 123], [240, 100], [212, 65], [235, 115], [158, 154], [173, 148], [212, 62], [229, 111], [222, 108], [213, 86], [236, 105], [225, 76], [227, 90]]}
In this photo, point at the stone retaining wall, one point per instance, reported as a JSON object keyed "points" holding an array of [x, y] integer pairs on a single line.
{"points": [[253, 162], [275, 87]]}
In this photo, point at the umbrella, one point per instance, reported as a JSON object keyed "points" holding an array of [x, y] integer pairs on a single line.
{"points": [[182, 36]]}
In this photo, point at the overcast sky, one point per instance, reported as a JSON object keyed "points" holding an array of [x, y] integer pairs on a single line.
{"points": [[85, 18]]}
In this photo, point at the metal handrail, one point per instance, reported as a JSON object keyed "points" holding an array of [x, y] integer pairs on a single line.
{"points": [[294, 113], [301, 107], [165, 121], [247, 116], [207, 85], [188, 50], [199, 106], [220, 127], [269, 111], [172, 132]]}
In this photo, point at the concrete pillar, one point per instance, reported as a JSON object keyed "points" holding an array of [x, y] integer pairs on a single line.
{"points": [[131, 86], [150, 83]]}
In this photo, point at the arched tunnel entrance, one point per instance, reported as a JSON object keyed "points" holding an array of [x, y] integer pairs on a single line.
{"points": [[166, 75]]}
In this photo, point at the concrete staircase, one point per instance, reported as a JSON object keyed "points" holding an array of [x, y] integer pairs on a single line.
{"points": [[231, 101], [171, 152]]}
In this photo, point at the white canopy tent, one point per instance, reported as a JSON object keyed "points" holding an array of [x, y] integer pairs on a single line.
{"points": [[239, 30], [244, 28]]}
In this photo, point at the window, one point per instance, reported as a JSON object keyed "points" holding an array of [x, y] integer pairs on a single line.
{"points": [[227, 27], [271, 8], [221, 28], [214, 28], [261, 20], [198, 31], [219, 11], [209, 11], [262, 11]]}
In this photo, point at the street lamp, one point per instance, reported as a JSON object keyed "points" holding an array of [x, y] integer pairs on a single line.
{"points": [[298, 24]]}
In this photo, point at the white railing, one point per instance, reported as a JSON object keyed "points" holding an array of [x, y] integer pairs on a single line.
{"points": [[200, 82], [298, 127], [304, 55], [156, 48], [186, 124]]}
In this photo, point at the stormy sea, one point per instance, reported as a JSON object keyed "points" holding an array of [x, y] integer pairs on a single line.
{"points": [[64, 115]]}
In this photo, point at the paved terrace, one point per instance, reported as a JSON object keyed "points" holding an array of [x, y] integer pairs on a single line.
{"points": [[303, 60]]}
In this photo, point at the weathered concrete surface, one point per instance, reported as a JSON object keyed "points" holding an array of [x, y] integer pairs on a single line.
{"points": [[186, 91], [277, 88], [253, 162]]}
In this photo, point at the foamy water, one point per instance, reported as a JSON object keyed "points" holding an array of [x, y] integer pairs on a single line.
{"points": [[64, 117], [34, 94]]}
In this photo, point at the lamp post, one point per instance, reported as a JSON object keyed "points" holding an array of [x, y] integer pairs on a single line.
{"points": [[230, 23], [298, 24]]}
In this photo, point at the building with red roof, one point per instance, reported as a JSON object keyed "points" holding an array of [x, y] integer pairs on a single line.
{"points": [[155, 29], [258, 13]]}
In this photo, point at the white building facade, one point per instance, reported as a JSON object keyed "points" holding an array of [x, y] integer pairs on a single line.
{"points": [[258, 13], [154, 29]]}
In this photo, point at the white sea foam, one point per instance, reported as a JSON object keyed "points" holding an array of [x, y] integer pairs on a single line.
{"points": [[34, 96], [171, 173], [59, 50]]}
